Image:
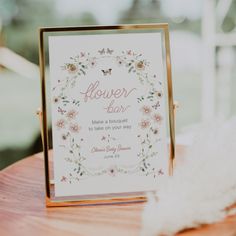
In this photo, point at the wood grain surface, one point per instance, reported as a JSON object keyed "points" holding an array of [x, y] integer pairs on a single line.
{"points": [[23, 211]]}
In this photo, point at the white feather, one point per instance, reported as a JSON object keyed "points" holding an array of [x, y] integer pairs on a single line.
{"points": [[202, 186]]}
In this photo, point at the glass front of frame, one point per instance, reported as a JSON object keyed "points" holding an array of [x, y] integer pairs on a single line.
{"points": [[109, 104]]}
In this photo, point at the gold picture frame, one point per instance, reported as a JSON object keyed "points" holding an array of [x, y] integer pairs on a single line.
{"points": [[104, 198]]}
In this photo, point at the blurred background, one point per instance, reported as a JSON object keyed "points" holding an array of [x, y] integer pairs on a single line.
{"points": [[203, 45]]}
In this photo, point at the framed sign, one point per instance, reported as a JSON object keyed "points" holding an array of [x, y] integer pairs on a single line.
{"points": [[107, 96]]}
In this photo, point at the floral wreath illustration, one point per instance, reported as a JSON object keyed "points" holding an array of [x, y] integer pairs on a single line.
{"points": [[76, 69]]}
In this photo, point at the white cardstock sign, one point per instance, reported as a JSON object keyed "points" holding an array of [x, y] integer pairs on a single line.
{"points": [[109, 113]]}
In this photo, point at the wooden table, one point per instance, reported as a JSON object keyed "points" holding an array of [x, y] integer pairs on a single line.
{"points": [[23, 211]]}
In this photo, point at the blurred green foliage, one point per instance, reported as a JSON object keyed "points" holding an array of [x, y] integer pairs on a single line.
{"points": [[229, 22], [21, 18]]}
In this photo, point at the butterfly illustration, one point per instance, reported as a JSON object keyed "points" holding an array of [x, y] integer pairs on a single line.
{"points": [[109, 51], [155, 106], [107, 72], [61, 111], [82, 54], [129, 52], [63, 179], [101, 52]]}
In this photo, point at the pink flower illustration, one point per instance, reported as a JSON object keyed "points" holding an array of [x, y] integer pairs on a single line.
{"points": [[71, 114], [146, 110], [140, 65], [144, 124], [157, 118], [112, 171], [71, 68], [74, 128], [60, 124]]}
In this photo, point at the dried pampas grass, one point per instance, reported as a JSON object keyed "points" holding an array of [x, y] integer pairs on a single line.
{"points": [[202, 187]]}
